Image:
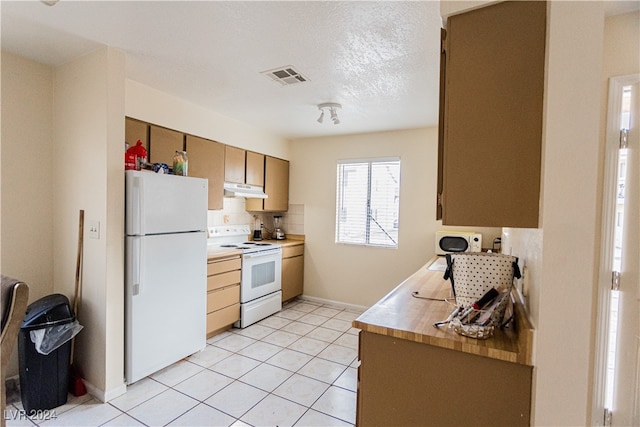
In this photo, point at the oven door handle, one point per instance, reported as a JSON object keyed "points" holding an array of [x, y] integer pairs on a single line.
{"points": [[261, 254]]}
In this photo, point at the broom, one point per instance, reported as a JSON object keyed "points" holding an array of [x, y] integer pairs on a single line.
{"points": [[76, 386]]}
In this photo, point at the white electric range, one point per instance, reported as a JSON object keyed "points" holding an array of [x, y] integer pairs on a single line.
{"points": [[261, 283]]}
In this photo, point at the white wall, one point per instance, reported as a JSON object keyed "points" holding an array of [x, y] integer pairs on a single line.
{"points": [[570, 275], [88, 175], [562, 272], [27, 177], [355, 274], [63, 153], [150, 105], [621, 53], [70, 157]]}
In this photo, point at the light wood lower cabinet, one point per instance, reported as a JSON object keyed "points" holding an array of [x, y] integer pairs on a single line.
{"points": [[223, 293], [402, 382], [292, 271]]}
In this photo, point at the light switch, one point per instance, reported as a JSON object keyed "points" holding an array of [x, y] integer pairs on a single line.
{"points": [[94, 229]]}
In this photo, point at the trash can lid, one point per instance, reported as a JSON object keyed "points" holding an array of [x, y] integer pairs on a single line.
{"points": [[48, 311]]}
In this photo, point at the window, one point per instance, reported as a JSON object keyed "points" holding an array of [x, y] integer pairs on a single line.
{"points": [[368, 200]]}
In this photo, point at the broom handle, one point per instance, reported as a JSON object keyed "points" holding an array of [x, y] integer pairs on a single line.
{"points": [[78, 272], [78, 262]]}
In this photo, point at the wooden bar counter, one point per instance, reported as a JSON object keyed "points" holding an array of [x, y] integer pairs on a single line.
{"points": [[412, 373]]}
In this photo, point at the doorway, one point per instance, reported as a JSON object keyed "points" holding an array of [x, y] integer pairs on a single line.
{"points": [[617, 379]]}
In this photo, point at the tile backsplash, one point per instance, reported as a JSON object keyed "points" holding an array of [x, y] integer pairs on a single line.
{"points": [[233, 213]]}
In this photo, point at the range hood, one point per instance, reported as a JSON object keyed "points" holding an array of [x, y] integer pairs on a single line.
{"points": [[243, 190]]}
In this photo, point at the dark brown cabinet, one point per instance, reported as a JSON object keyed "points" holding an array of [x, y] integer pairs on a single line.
{"points": [[492, 87]]}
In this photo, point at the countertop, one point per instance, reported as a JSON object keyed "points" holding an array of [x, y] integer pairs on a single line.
{"points": [[401, 315], [285, 242]]}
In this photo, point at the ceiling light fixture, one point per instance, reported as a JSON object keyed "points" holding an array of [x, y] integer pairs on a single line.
{"points": [[332, 106]]}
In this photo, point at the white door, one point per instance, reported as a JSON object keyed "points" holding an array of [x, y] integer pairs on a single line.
{"points": [[626, 393], [617, 391]]}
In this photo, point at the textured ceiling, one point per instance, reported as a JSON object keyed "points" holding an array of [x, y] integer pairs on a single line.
{"points": [[378, 59]]}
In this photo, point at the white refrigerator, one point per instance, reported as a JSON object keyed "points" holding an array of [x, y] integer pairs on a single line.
{"points": [[165, 270]]}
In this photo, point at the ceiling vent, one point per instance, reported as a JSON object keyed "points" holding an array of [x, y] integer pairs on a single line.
{"points": [[286, 76]]}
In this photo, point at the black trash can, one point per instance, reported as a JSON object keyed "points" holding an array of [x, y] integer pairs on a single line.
{"points": [[44, 379]]}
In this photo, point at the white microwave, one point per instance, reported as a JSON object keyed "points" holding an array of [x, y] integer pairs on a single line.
{"points": [[448, 242]]}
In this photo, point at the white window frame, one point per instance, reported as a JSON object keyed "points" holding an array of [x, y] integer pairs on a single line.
{"points": [[370, 221]]}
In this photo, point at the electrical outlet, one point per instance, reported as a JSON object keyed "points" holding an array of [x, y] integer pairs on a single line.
{"points": [[94, 229]]}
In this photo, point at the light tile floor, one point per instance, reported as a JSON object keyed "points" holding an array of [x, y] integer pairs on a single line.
{"points": [[295, 368]]}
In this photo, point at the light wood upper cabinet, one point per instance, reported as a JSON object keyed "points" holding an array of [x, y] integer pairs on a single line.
{"points": [[135, 130], [276, 186], [491, 107], [206, 160], [163, 144], [234, 164], [254, 169]]}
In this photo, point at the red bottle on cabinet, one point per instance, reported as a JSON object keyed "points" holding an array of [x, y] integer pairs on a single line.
{"points": [[135, 156]]}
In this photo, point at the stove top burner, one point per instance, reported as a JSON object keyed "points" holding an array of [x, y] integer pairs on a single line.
{"points": [[233, 237], [242, 246]]}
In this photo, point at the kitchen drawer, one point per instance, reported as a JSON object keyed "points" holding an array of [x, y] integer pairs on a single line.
{"points": [[290, 251], [223, 318], [222, 298], [223, 280], [218, 267]]}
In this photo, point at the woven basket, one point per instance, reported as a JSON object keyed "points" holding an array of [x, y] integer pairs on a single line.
{"points": [[484, 331], [474, 274]]}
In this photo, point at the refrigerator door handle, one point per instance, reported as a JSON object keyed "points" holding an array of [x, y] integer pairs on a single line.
{"points": [[137, 201], [136, 255]]}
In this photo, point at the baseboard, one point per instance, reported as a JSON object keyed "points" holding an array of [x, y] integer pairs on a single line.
{"points": [[104, 396], [333, 303]]}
